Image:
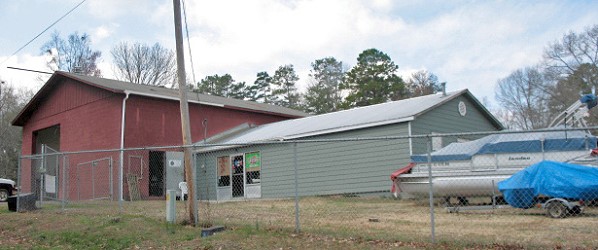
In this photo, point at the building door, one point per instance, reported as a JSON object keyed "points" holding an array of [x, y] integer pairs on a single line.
{"points": [[156, 173], [238, 175], [49, 139]]}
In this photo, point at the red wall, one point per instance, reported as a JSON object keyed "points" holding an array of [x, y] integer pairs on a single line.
{"points": [[90, 119], [157, 122]]}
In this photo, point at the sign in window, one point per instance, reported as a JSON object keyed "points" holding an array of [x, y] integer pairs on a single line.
{"points": [[223, 171], [253, 164]]}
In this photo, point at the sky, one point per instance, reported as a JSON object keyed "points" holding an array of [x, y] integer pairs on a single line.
{"points": [[467, 44]]}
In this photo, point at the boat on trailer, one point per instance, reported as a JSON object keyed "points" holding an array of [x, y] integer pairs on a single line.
{"points": [[474, 168]]}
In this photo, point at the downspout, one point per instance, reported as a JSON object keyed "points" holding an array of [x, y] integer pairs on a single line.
{"points": [[122, 148]]}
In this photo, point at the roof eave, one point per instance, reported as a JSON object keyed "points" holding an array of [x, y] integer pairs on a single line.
{"points": [[265, 112], [487, 113], [470, 96], [347, 128], [58, 76]]}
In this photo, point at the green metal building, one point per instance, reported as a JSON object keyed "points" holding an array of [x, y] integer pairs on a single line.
{"points": [[262, 162]]}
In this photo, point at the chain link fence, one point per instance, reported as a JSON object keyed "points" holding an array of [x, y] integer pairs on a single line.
{"points": [[535, 188]]}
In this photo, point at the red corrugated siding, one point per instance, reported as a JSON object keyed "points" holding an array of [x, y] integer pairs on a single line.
{"points": [[157, 122], [89, 118], [66, 96]]}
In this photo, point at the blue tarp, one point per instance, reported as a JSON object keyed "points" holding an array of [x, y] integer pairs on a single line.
{"points": [[513, 143], [551, 179]]}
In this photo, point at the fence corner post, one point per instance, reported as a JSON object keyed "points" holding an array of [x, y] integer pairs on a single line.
{"points": [[431, 189], [297, 223]]}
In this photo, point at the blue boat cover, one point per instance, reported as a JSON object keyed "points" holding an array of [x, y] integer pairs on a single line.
{"points": [[550, 179], [512, 143]]}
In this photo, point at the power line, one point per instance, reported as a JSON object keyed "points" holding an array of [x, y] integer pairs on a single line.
{"points": [[30, 70], [51, 25], [189, 43]]}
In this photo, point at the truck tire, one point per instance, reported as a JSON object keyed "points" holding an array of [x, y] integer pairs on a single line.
{"points": [[3, 195], [556, 209]]}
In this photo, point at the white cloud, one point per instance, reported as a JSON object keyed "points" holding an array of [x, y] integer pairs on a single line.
{"points": [[467, 44], [472, 46], [102, 32], [110, 9], [253, 36], [21, 78]]}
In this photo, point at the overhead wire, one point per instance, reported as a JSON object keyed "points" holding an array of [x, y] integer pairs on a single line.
{"points": [[189, 43], [51, 25]]}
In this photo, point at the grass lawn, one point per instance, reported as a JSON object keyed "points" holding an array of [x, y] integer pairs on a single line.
{"points": [[325, 222]]}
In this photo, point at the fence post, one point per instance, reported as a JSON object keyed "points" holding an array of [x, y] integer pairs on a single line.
{"points": [[111, 178], [195, 194], [93, 179], [41, 173], [19, 180], [64, 163], [120, 180], [431, 189], [297, 225]]}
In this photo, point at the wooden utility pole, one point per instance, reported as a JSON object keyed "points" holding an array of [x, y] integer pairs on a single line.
{"points": [[180, 61]]}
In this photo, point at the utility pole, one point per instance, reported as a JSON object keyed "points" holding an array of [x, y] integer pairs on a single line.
{"points": [[180, 60]]}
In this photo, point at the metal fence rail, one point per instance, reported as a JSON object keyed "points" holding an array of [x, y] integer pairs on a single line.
{"points": [[470, 187]]}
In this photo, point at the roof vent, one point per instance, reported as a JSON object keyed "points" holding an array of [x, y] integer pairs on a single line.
{"points": [[78, 70], [443, 86]]}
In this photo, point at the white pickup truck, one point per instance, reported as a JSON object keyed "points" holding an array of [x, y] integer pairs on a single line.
{"points": [[7, 188]]}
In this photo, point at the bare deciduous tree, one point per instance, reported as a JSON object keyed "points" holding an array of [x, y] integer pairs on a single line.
{"points": [[423, 83], [142, 64], [569, 90], [523, 95], [74, 54], [563, 58]]}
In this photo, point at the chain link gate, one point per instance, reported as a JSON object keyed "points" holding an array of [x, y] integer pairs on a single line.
{"points": [[91, 179], [46, 178], [50, 173], [47, 175]]}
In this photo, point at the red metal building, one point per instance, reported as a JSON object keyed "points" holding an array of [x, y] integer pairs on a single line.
{"points": [[73, 112]]}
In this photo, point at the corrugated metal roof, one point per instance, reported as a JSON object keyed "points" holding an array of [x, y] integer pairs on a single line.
{"points": [[152, 91], [362, 117], [161, 92]]}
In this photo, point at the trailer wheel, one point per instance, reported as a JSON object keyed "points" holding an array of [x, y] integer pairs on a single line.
{"points": [[556, 209]]}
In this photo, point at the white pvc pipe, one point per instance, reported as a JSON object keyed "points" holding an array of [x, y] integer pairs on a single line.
{"points": [[122, 152]]}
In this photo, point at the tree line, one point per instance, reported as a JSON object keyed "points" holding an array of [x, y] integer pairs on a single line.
{"points": [[11, 102], [531, 97], [331, 86]]}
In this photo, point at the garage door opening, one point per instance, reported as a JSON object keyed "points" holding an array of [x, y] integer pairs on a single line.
{"points": [[45, 171]]}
